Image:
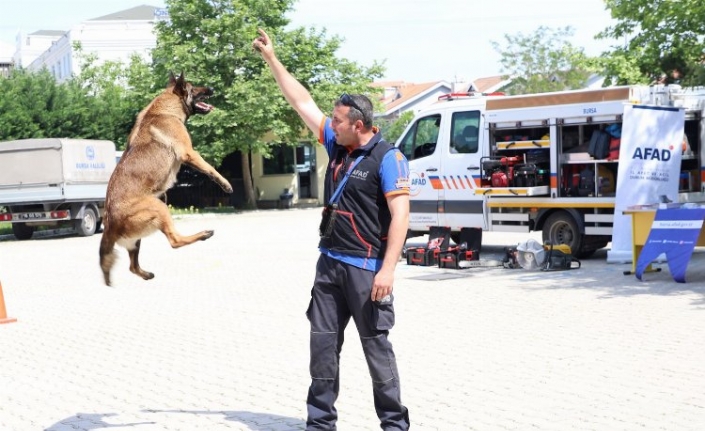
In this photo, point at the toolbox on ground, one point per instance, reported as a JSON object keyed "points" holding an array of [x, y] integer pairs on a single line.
{"points": [[422, 257], [472, 237], [438, 241], [468, 248], [451, 258]]}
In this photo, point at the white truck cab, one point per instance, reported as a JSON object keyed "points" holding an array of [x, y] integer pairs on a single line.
{"points": [[444, 146]]}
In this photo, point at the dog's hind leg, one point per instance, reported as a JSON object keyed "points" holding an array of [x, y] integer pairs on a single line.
{"points": [[107, 255], [135, 264]]}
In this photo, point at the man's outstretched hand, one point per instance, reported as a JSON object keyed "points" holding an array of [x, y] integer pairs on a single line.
{"points": [[262, 43]]}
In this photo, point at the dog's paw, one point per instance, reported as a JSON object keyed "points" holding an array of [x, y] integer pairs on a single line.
{"points": [[206, 234], [227, 188]]}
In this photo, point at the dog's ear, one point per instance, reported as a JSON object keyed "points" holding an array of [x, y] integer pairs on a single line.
{"points": [[180, 85], [172, 80], [181, 81]]}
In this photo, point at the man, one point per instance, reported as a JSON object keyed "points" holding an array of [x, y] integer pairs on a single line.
{"points": [[362, 233]]}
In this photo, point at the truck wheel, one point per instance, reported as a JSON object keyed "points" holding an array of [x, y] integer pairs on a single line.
{"points": [[22, 231], [561, 228], [87, 225]]}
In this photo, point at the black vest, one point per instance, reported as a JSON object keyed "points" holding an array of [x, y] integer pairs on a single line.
{"points": [[363, 217]]}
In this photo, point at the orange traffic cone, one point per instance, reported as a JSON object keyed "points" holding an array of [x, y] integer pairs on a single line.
{"points": [[3, 312]]}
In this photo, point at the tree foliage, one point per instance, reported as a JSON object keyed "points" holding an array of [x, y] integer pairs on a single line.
{"points": [[210, 41], [655, 37], [113, 94], [392, 130], [543, 61], [29, 105], [101, 103]]}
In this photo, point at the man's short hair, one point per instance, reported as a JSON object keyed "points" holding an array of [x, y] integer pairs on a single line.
{"points": [[361, 108]]}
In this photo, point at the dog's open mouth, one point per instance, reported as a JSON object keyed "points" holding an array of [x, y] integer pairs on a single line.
{"points": [[202, 107], [200, 96]]}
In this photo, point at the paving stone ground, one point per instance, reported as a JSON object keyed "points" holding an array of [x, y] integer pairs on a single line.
{"points": [[219, 340]]}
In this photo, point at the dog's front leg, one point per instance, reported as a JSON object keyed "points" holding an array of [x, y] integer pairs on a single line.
{"points": [[194, 159]]}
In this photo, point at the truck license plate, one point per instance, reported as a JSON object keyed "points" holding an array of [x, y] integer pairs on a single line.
{"points": [[30, 216]]}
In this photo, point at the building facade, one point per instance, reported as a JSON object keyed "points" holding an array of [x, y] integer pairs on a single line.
{"points": [[113, 37]]}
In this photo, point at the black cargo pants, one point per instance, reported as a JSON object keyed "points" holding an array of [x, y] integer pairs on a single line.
{"points": [[341, 291]]}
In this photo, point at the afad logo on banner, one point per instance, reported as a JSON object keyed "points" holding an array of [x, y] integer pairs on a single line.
{"points": [[648, 153]]}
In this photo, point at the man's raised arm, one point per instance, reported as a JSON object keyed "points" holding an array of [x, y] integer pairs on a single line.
{"points": [[295, 93]]}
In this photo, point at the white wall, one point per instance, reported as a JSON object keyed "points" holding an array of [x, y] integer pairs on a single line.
{"points": [[110, 40], [28, 47], [6, 52]]}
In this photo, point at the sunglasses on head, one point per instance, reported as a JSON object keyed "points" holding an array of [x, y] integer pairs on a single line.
{"points": [[348, 101]]}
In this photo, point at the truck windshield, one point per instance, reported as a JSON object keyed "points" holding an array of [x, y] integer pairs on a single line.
{"points": [[420, 140]]}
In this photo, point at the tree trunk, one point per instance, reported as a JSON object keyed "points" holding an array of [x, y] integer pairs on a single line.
{"points": [[250, 199]]}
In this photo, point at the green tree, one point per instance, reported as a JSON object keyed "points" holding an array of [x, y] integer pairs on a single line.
{"points": [[101, 103], [392, 130], [112, 95], [33, 105], [655, 37], [210, 41], [543, 61]]}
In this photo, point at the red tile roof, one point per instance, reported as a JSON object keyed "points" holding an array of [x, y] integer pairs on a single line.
{"points": [[482, 85], [403, 92], [398, 93]]}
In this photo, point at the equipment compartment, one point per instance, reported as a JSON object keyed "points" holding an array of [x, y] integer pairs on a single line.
{"points": [[520, 161]]}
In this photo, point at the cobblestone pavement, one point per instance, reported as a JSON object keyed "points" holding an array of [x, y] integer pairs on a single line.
{"points": [[219, 339]]}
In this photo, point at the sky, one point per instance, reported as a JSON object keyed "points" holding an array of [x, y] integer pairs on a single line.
{"points": [[419, 40]]}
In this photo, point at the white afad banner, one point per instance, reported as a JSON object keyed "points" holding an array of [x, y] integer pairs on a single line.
{"points": [[650, 155]]}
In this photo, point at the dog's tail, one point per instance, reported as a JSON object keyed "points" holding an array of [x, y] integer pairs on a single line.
{"points": [[108, 255]]}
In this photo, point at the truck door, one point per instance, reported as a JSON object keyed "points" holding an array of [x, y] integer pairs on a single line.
{"points": [[419, 146], [461, 172]]}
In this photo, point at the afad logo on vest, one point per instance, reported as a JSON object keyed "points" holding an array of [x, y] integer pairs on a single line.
{"points": [[362, 175]]}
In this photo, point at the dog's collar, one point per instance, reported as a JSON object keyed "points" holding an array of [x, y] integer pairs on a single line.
{"points": [[189, 109]]}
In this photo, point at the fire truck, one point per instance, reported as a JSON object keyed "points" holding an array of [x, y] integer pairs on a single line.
{"points": [[541, 162]]}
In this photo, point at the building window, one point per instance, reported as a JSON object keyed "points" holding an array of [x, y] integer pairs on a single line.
{"points": [[5, 69], [305, 157], [281, 162]]}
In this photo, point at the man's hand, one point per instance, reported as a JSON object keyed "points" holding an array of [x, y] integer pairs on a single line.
{"points": [[263, 43], [382, 285]]}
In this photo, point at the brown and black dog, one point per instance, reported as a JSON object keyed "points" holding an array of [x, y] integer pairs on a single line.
{"points": [[156, 147]]}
